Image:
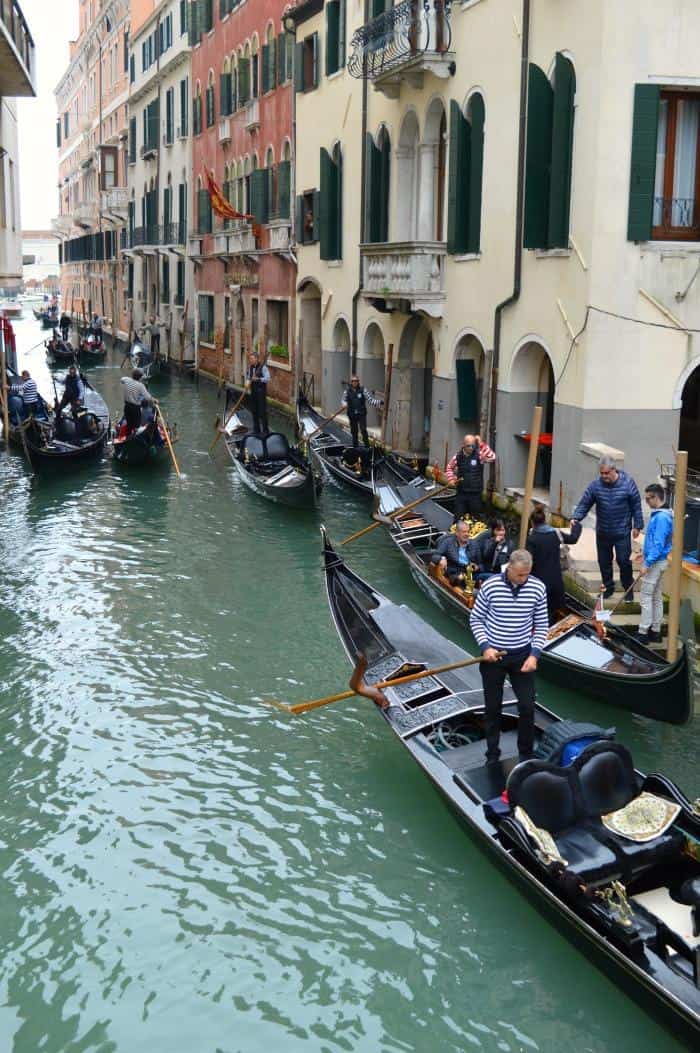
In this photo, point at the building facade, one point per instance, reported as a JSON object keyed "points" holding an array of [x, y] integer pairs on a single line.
{"points": [[91, 133], [40, 266], [159, 173], [505, 231], [242, 127], [17, 79]]}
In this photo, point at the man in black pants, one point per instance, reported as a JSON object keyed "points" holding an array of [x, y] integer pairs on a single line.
{"points": [[509, 622], [355, 400], [466, 472], [258, 379], [136, 394]]}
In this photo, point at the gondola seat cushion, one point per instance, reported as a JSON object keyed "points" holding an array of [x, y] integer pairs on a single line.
{"points": [[277, 447], [254, 446], [587, 857]]}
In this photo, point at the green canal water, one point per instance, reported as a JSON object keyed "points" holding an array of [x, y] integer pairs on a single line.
{"points": [[184, 869]]}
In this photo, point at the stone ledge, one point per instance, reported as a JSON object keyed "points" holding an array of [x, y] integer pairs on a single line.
{"points": [[601, 449]]}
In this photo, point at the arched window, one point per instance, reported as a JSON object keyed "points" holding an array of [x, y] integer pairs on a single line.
{"points": [[284, 183], [271, 178], [378, 179], [203, 209], [211, 103], [255, 67], [197, 109], [331, 219], [465, 176], [549, 158], [225, 89], [234, 82], [244, 77], [269, 61]]}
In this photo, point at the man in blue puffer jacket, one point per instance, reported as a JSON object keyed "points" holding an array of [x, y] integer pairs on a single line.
{"points": [[618, 509]]}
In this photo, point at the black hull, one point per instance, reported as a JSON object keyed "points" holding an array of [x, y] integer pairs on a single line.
{"points": [[137, 450], [303, 494], [368, 623]]}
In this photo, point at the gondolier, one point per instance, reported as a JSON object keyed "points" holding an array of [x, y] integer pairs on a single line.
{"points": [[355, 400], [65, 326], [510, 615], [24, 400], [258, 379], [466, 472], [73, 390], [135, 395]]}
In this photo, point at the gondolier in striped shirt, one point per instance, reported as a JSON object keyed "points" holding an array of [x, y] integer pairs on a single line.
{"points": [[510, 615], [24, 398]]}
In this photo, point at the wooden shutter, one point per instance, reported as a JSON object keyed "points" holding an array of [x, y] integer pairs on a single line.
{"points": [[194, 27], [317, 215], [259, 195], [332, 36], [476, 173], [645, 124], [466, 389], [284, 185], [265, 68], [314, 51], [58, 132], [341, 34], [382, 185], [328, 225], [538, 157], [562, 149], [372, 196], [225, 94], [272, 76], [299, 66], [281, 58], [300, 219], [244, 80], [458, 180]]}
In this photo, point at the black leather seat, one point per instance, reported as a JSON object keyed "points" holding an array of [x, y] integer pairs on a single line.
{"points": [[254, 446], [277, 447], [551, 797]]}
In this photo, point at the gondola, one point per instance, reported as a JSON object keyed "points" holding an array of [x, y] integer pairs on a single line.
{"points": [[141, 358], [65, 441], [61, 352], [270, 466], [613, 667], [146, 445], [333, 449], [91, 352], [48, 319], [634, 904]]}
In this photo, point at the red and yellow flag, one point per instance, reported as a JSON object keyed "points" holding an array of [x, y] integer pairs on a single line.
{"points": [[219, 204]]}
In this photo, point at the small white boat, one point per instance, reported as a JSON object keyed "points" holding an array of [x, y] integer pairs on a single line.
{"points": [[11, 308]]}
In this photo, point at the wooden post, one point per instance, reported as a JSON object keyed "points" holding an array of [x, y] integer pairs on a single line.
{"points": [[387, 390], [3, 389], [447, 455], [530, 476], [299, 359], [674, 601]]}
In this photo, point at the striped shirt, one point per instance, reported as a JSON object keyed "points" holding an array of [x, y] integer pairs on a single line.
{"points": [[486, 456], [510, 617], [27, 389]]}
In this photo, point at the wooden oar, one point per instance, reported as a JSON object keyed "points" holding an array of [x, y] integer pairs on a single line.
{"points": [[227, 419], [305, 707], [396, 513], [314, 433], [167, 438], [624, 594]]}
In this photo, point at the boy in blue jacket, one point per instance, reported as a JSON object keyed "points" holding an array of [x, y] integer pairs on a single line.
{"points": [[654, 560]]}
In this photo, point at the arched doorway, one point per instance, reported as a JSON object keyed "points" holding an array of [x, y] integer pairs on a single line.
{"points": [[311, 358], [370, 368], [412, 389], [336, 365], [531, 384], [469, 375], [689, 431]]}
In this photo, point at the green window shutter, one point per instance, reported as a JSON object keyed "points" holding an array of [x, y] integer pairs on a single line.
{"points": [[338, 166], [383, 183], [281, 59], [272, 64], [332, 36], [265, 68], [538, 156], [341, 35], [299, 66], [225, 94], [466, 389], [259, 188], [244, 80], [300, 220], [284, 184], [372, 196], [329, 208], [455, 177], [195, 22], [377, 8], [476, 173], [315, 46], [562, 149], [645, 126], [317, 215]]}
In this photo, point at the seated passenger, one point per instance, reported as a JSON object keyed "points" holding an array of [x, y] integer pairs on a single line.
{"points": [[453, 554], [493, 550]]}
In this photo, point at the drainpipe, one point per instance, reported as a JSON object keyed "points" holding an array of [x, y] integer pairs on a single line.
{"points": [[519, 210], [363, 192]]}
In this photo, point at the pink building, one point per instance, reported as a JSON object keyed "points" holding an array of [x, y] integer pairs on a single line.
{"points": [[242, 129]]}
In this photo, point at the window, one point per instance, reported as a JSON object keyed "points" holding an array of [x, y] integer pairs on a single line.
{"points": [[225, 90], [151, 125], [184, 106], [285, 57], [284, 185], [269, 62], [126, 51], [255, 70], [132, 140], [130, 281], [207, 15], [331, 218], [308, 217], [65, 124], [169, 116], [549, 156], [203, 211], [197, 112], [465, 176], [306, 64], [260, 195], [378, 180], [180, 293], [183, 17], [58, 132], [132, 70], [206, 319], [210, 102], [165, 284], [227, 322], [243, 80], [676, 214], [108, 169], [335, 36], [182, 213], [277, 314], [167, 210]]}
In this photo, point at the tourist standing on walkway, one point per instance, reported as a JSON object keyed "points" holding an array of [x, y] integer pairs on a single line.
{"points": [[618, 508], [466, 472], [257, 381], [658, 540], [544, 545], [510, 616]]}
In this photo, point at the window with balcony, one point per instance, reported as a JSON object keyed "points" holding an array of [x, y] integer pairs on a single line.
{"points": [[308, 216], [465, 176], [676, 186], [306, 64], [335, 36], [331, 203], [206, 318], [549, 156]]}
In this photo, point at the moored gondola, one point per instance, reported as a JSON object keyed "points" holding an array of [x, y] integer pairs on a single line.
{"points": [[611, 666], [332, 448], [620, 873], [270, 466], [65, 440], [141, 358]]}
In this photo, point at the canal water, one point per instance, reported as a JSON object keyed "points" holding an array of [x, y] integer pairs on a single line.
{"points": [[185, 869]]}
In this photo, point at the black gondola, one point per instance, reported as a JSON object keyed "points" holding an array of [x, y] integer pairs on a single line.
{"points": [[146, 445], [61, 352], [91, 352], [66, 440], [333, 449], [48, 319], [142, 358], [270, 466], [616, 669], [635, 904]]}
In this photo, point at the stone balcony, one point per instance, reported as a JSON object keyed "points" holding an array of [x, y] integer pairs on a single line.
{"points": [[224, 130], [115, 202], [85, 214], [234, 240], [62, 225], [406, 275], [403, 44], [280, 229], [251, 120], [17, 61]]}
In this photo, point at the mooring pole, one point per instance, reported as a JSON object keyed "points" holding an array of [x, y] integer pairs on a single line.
{"points": [[674, 603], [530, 475]]}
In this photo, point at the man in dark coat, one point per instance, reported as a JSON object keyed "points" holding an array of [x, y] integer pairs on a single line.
{"points": [[618, 507], [356, 400], [65, 326], [73, 391], [466, 471], [492, 550], [543, 544], [258, 379], [453, 553]]}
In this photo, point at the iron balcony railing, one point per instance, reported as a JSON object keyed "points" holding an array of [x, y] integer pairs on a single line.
{"points": [[175, 233], [676, 213], [16, 25], [399, 35]]}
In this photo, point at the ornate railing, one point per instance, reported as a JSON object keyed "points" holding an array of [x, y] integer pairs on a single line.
{"points": [[410, 29], [675, 213]]}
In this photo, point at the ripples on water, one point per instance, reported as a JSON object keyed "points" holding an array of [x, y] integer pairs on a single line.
{"points": [[185, 869]]}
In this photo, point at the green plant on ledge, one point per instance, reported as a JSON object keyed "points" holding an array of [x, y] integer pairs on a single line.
{"points": [[279, 351]]}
